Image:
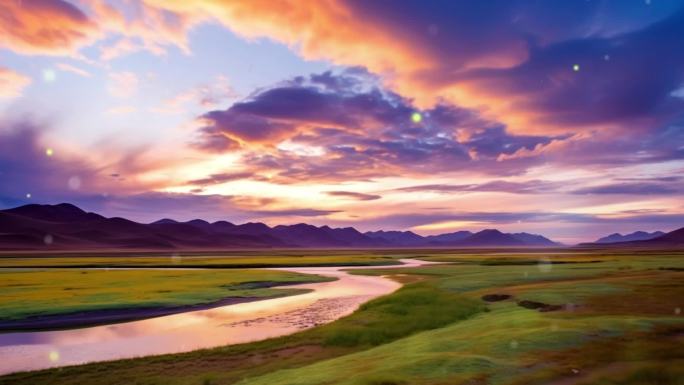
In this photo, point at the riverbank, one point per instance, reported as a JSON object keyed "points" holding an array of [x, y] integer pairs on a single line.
{"points": [[63, 298], [335, 295]]}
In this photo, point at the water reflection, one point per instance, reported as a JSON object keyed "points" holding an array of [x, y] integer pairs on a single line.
{"points": [[238, 323]]}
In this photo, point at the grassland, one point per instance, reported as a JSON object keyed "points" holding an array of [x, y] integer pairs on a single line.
{"points": [[35, 292], [617, 320], [242, 260]]}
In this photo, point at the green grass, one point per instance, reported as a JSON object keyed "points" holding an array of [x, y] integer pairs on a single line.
{"points": [[415, 307], [623, 328], [235, 260], [28, 293]]}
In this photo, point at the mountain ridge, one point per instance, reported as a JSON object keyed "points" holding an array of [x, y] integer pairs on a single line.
{"points": [[635, 236], [65, 226]]}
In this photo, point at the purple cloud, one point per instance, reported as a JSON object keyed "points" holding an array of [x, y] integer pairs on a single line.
{"points": [[354, 195], [528, 187], [362, 130]]}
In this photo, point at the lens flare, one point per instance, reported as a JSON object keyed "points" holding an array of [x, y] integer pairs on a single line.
{"points": [[53, 356], [49, 152], [49, 75]]}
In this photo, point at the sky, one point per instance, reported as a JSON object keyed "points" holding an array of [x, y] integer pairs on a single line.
{"points": [[559, 118]]}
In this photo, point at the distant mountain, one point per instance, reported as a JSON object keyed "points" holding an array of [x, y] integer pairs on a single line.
{"points": [[534, 239], [398, 238], [67, 227], [483, 238], [635, 236], [448, 238], [673, 238], [491, 237]]}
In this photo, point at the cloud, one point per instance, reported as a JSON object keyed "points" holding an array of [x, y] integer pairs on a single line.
{"points": [[27, 168], [355, 128], [31, 162], [46, 27], [527, 187], [292, 213], [221, 178], [209, 95], [32, 174], [12, 83], [633, 189], [73, 69], [512, 60], [122, 84], [354, 195]]}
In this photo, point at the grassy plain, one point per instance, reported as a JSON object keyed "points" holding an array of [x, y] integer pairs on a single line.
{"points": [[223, 260], [618, 320], [39, 292]]}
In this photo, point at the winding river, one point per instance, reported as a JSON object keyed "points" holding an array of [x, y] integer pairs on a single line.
{"points": [[183, 332]]}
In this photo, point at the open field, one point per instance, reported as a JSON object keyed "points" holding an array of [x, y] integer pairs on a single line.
{"points": [[236, 260], [491, 317], [40, 293]]}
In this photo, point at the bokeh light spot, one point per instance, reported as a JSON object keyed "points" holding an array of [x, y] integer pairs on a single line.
{"points": [[28, 195], [53, 356], [49, 75], [416, 117], [576, 67], [544, 265], [49, 152]]}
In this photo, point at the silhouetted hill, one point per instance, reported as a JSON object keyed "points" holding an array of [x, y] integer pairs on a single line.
{"points": [[635, 236], [65, 226], [672, 238], [448, 238], [63, 212], [398, 238], [534, 239], [491, 237]]}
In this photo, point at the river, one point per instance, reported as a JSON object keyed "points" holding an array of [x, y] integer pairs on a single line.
{"points": [[183, 332]]}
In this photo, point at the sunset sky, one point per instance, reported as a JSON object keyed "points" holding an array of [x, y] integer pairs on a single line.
{"points": [[563, 118]]}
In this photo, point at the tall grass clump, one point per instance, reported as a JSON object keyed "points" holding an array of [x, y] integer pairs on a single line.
{"points": [[411, 309]]}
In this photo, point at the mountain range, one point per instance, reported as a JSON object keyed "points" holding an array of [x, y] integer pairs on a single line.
{"points": [[672, 239], [635, 236], [67, 227]]}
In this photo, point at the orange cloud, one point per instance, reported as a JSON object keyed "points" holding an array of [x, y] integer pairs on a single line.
{"points": [[152, 29], [323, 29], [48, 27], [12, 83], [496, 59], [330, 30]]}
